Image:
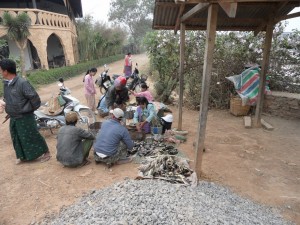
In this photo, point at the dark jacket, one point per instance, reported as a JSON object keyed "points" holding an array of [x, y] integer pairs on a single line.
{"points": [[114, 96], [69, 145], [20, 98]]}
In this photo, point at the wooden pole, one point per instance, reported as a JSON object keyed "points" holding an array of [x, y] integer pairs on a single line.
{"points": [[181, 71], [207, 68], [34, 4], [263, 72]]}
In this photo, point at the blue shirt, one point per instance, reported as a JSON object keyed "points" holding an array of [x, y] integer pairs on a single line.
{"points": [[109, 137], [103, 105], [148, 112]]}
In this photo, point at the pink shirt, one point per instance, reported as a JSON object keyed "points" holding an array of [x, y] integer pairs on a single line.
{"points": [[128, 61], [89, 88], [145, 94]]}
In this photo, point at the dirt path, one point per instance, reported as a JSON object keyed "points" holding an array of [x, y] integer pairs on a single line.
{"points": [[260, 165]]}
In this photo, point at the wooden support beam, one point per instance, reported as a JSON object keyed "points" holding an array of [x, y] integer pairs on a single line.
{"points": [[290, 16], [229, 7], [187, 27], [178, 18], [181, 72], [207, 70], [229, 20], [193, 11], [263, 72]]}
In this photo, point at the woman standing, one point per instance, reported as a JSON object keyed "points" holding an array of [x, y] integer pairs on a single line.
{"points": [[89, 89], [128, 65]]}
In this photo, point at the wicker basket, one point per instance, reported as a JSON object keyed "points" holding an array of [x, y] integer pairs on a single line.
{"points": [[137, 136], [236, 107], [95, 127]]}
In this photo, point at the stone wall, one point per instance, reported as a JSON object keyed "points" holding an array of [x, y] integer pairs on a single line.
{"points": [[286, 105]]}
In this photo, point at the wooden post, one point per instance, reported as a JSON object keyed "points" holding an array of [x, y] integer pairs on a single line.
{"points": [[181, 71], [34, 4], [263, 72], [207, 68]]}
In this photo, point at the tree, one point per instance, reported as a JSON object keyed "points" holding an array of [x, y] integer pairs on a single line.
{"points": [[96, 40], [233, 51], [18, 31], [136, 15]]}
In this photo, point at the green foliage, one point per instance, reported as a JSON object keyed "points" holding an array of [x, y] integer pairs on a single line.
{"points": [[18, 31], [233, 51], [18, 26], [97, 40], [164, 57], [135, 15], [49, 76]]}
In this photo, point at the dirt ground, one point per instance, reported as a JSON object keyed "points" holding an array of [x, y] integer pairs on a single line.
{"points": [[257, 164]]}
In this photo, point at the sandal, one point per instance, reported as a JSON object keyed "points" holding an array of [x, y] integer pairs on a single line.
{"points": [[45, 157], [19, 161], [123, 161], [85, 163]]}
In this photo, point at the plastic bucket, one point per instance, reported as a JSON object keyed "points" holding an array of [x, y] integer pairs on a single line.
{"points": [[156, 130]]}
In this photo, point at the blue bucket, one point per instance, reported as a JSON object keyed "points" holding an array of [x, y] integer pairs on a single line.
{"points": [[156, 130]]}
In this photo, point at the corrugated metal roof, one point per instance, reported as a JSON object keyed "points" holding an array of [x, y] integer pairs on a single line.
{"points": [[249, 15]]}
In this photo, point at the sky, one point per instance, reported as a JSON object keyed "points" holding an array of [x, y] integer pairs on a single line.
{"points": [[99, 9]]}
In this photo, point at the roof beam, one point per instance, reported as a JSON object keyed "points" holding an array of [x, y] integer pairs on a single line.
{"points": [[290, 16], [229, 7], [178, 18], [199, 7], [229, 20], [270, 17], [240, 28], [237, 1]]}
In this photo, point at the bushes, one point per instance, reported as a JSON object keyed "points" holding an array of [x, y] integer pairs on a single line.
{"points": [[233, 51], [49, 76]]}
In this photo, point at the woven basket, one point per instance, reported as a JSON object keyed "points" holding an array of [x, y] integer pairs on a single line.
{"points": [[236, 107], [137, 136]]}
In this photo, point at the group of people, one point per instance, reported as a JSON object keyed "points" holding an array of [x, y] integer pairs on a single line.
{"points": [[117, 94], [112, 141]]}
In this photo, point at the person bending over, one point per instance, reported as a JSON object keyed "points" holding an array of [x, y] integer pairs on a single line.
{"points": [[144, 93], [73, 143], [113, 140], [117, 94], [145, 115]]}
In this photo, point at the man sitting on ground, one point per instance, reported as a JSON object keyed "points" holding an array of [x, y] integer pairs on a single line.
{"points": [[73, 143], [113, 140]]}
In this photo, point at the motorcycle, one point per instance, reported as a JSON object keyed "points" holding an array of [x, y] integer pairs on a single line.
{"points": [[136, 80], [104, 81], [67, 103]]}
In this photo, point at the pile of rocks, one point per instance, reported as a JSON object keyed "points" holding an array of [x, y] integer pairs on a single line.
{"points": [[159, 202]]}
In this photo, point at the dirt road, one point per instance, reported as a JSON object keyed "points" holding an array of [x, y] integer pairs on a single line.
{"points": [[260, 165]]}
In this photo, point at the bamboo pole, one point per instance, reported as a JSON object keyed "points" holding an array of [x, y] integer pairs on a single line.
{"points": [[207, 68], [181, 71]]}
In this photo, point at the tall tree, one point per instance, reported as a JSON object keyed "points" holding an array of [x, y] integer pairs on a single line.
{"points": [[18, 31], [136, 15]]}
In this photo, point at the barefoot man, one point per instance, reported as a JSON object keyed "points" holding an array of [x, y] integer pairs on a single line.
{"points": [[20, 102]]}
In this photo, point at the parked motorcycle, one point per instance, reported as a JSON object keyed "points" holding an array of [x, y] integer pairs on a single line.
{"points": [[104, 81], [68, 103], [136, 80]]}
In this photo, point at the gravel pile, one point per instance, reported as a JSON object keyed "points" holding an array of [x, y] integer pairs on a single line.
{"points": [[159, 202]]}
